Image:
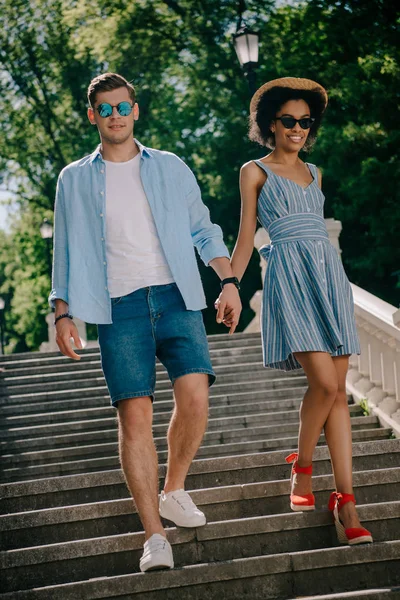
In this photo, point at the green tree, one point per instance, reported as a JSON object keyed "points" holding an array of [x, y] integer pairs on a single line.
{"points": [[24, 281]]}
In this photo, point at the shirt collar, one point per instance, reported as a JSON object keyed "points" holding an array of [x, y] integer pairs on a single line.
{"points": [[144, 151]]}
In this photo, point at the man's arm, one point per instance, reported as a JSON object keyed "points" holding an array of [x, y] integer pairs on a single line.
{"points": [[207, 237], [65, 330], [60, 248], [58, 299]]}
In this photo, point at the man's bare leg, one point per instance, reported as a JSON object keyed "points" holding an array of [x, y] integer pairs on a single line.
{"points": [[187, 427], [139, 460]]}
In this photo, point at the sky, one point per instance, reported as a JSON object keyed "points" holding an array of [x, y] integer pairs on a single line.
{"points": [[4, 210]]}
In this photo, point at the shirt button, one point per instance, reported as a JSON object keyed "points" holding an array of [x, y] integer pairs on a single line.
{"points": [[104, 263], [102, 239], [308, 209], [102, 193], [101, 214], [321, 260], [101, 170]]}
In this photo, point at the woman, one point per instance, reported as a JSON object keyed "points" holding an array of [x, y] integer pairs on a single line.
{"points": [[307, 312]]}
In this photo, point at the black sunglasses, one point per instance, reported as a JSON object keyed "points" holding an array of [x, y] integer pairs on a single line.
{"points": [[290, 122], [105, 110]]}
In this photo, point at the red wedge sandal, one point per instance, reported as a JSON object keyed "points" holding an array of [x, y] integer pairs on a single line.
{"points": [[300, 503], [351, 535]]}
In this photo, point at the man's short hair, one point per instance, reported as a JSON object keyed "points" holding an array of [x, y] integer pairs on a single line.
{"points": [[106, 83]]}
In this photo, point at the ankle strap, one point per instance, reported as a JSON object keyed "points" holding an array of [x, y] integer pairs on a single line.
{"points": [[293, 458], [340, 500]]}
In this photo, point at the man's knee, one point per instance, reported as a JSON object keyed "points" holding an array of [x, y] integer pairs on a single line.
{"points": [[194, 407], [135, 414]]}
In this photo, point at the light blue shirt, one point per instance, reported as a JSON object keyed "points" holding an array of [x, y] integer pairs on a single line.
{"points": [[181, 218]]}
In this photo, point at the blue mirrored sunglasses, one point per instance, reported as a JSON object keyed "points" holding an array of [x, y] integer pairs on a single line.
{"points": [[105, 110]]}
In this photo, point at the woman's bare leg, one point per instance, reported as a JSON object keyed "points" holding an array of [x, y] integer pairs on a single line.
{"points": [[315, 408], [338, 436]]}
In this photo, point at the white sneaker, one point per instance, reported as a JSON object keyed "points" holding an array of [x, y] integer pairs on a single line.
{"points": [[157, 554], [178, 507]]}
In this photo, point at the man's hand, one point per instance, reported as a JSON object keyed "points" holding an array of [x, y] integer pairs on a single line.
{"points": [[229, 307], [65, 330]]}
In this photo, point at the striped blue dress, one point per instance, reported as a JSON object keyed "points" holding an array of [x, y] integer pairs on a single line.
{"points": [[307, 299]]}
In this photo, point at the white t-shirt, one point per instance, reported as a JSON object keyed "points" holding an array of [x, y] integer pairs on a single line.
{"points": [[135, 258]]}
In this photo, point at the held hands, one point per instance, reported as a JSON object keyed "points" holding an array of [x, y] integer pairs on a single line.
{"points": [[229, 307], [65, 330]]}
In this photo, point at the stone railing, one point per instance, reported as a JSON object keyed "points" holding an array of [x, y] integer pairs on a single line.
{"points": [[374, 376]]}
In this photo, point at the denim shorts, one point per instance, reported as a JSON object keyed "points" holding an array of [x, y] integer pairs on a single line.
{"points": [[148, 323]]}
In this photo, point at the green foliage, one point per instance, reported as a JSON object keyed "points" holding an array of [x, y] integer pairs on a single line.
{"points": [[365, 407], [194, 101], [25, 281]]}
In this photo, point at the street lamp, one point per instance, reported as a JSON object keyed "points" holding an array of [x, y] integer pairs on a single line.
{"points": [[2, 305], [245, 42], [46, 231]]}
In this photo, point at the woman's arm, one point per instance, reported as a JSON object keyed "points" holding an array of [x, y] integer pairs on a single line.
{"points": [[251, 180]]}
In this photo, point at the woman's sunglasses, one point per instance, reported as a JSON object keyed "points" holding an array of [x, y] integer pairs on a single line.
{"points": [[105, 110], [290, 122]]}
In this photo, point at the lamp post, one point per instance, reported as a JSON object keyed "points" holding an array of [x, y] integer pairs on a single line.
{"points": [[245, 42], [2, 305], [46, 231]]}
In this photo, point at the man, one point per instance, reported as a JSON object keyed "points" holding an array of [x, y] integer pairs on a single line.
{"points": [[127, 219]]}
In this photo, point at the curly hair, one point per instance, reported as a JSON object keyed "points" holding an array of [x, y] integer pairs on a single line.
{"points": [[269, 105]]}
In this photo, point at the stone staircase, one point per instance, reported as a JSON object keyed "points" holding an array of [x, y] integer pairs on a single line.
{"points": [[69, 529]]}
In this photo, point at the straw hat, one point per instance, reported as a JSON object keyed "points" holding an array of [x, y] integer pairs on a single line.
{"points": [[294, 83]]}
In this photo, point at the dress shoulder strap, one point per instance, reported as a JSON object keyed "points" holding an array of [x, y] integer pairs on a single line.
{"points": [[262, 166], [314, 171]]}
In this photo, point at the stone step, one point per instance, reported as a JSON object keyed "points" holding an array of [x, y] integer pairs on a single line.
{"points": [[62, 365], [164, 401], [216, 341], [204, 473], [105, 430], [259, 578], [223, 385], [229, 434], [99, 407], [46, 364], [19, 473], [72, 527], [224, 503], [371, 594], [217, 542], [218, 357], [92, 377]]}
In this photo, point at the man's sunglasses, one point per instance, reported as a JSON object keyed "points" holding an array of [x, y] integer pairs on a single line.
{"points": [[290, 122], [105, 110]]}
